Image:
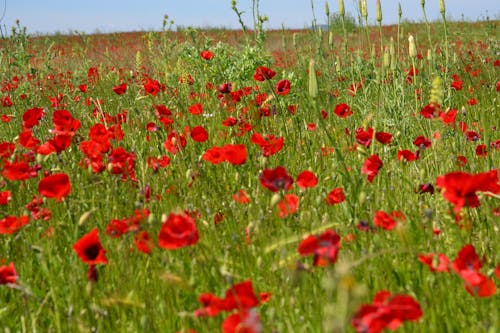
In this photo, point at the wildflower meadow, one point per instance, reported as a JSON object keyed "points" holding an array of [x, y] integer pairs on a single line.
{"points": [[342, 178]]}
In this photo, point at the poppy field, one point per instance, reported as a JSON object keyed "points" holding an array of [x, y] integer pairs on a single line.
{"points": [[252, 181]]}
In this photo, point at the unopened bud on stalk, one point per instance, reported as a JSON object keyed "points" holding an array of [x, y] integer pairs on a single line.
{"points": [[429, 55], [379, 12], [442, 8], [337, 65], [313, 82], [331, 39], [412, 48], [327, 9], [341, 8], [422, 3], [392, 53], [387, 58], [364, 9], [400, 11]]}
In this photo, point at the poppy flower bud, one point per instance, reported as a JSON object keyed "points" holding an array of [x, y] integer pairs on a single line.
{"points": [[442, 8], [400, 11], [331, 39], [387, 58], [327, 9], [422, 3], [392, 53], [313, 83], [275, 199], [341, 8], [412, 48], [364, 9], [379, 12]]}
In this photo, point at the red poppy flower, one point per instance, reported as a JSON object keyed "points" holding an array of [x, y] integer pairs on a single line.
{"points": [[240, 296], [467, 266], [342, 110], [31, 117], [384, 220], [214, 155], [196, 109], [241, 197], [449, 116], [175, 142], [457, 83], [383, 137], [207, 55], [235, 154], [335, 196], [467, 259], [282, 87], [425, 188], [12, 224], [199, 134], [83, 88], [459, 188], [5, 197], [481, 150], [242, 322], [89, 249], [6, 102], [178, 230], [276, 179], [27, 140], [263, 73], [307, 179], [386, 311], [430, 111], [408, 155], [64, 123], [8, 274], [269, 146], [56, 186], [288, 205], [120, 89], [435, 262], [6, 149], [323, 247], [478, 284], [422, 142], [143, 242], [18, 170], [364, 137], [371, 167], [152, 87]]}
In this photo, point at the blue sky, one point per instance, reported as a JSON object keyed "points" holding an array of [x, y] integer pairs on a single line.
{"points": [[49, 16]]}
